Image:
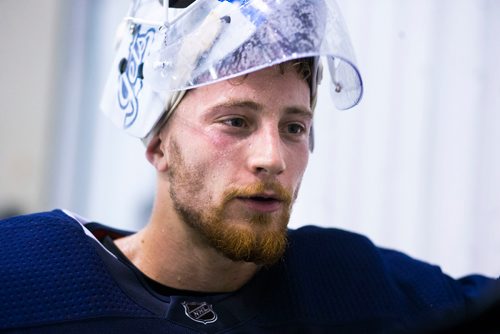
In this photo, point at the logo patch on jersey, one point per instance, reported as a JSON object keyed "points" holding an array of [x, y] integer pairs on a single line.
{"points": [[200, 312]]}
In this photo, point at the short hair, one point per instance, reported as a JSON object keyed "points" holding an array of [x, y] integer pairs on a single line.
{"points": [[303, 67]]}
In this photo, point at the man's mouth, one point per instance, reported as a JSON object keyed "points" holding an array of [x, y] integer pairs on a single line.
{"points": [[262, 203]]}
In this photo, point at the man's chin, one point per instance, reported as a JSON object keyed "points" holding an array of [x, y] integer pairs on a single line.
{"points": [[260, 245], [241, 235]]}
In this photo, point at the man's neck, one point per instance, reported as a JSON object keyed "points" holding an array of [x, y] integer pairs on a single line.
{"points": [[170, 252]]}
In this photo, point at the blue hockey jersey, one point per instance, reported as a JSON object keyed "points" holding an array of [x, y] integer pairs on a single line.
{"points": [[56, 276]]}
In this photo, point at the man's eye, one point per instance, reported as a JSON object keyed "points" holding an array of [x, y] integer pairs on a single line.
{"points": [[295, 128], [235, 122]]}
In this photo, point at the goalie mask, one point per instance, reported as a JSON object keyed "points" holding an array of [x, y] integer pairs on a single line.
{"points": [[160, 58]]}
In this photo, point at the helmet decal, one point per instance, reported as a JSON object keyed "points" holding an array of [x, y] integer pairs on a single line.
{"points": [[131, 76]]}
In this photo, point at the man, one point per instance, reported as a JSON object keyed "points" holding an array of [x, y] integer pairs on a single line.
{"points": [[229, 134]]}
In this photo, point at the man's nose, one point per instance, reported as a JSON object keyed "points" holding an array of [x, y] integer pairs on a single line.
{"points": [[266, 155]]}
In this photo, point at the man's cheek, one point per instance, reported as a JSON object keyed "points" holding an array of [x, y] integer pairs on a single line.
{"points": [[211, 137], [223, 141]]}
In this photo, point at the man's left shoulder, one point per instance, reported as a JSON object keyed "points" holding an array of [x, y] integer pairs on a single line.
{"points": [[349, 250], [351, 257], [323, 241]]}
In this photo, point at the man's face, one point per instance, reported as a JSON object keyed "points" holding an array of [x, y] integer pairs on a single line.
{"points": [[237, 151]]}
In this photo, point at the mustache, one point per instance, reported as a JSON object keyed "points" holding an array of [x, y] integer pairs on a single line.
{"points": [[274, 189]]}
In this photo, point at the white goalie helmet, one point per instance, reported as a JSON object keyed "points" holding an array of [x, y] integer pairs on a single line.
{"points": [[160, 58]]}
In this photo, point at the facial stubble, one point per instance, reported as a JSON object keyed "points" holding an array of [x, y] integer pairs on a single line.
{"points": [[251, 237]]}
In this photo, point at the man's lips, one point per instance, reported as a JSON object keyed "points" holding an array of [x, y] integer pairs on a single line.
{"points": [[264, 203]]}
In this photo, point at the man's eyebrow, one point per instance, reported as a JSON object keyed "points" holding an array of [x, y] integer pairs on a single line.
{"points": [[247, 104], [300, 111]]}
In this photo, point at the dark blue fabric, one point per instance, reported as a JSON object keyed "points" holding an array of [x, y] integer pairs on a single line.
{"points": [[55, 278], [49, 272]]}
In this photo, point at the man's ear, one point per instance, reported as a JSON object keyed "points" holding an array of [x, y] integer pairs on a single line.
{"points": [[156, 154]]}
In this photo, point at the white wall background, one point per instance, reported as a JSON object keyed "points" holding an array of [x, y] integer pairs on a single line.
{"points": [[28, 56], [416, 166]]}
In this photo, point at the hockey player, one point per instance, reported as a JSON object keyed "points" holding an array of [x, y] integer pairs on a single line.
{"points": [[223, 97]]}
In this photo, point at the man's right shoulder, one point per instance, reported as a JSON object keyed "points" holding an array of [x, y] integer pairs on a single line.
{"points": [[27, 235], [51, 271], [47, 219]]}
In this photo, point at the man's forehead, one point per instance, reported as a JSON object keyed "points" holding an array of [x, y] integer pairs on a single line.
{"points": [[271, 82], [284, 94]]}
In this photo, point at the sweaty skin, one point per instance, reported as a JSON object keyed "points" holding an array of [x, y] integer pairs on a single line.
{"points": [[229, 164]]}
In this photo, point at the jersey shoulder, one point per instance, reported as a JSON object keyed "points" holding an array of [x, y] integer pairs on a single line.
{"points": [[50, 271], [345, 273]]}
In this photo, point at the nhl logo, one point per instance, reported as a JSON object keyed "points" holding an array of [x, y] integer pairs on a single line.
{"points": [[200, 312]]}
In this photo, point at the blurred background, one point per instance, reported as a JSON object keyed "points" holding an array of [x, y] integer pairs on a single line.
{"points": [[416, 166]]}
